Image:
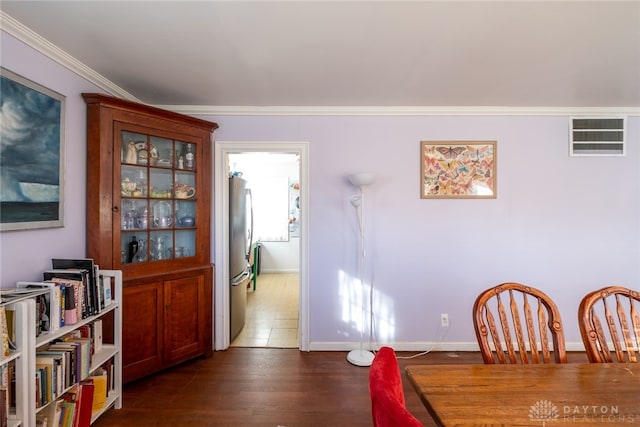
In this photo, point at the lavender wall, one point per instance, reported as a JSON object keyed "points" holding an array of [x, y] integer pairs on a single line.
{"points": [[565, 225]]}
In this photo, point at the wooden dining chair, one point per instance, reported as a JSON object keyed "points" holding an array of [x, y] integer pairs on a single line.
{"points": [[617, 308], [387, 395], [515, 323]]}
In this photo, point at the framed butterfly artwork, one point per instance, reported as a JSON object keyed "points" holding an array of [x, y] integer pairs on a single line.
{"points": [[458, 170]]}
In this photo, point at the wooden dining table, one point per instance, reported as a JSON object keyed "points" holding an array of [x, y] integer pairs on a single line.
{"points": [[571, 394]]}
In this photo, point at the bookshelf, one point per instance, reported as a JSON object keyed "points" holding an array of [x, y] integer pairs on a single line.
{"points": [[29, 345], [23, 309]]}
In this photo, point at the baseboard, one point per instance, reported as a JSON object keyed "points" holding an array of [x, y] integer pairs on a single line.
{"points": [[398, 346], [415, 346], [293, 270]]}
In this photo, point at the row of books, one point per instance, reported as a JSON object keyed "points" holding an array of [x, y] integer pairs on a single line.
{"points": [[7, 315], [6, 329], [66, 361], [74, 408], [7, 391], [66, 393], [76, 291]]}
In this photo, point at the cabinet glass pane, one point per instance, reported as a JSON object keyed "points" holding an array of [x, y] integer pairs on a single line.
{"points": [[161, 245], [186, 156], [158, 198], [134, 214], [133, 181], [136, 149], [160, 184], [164, 150], [161, 214], [185, 213], [185, 243], [185, 185], [133, 247]]}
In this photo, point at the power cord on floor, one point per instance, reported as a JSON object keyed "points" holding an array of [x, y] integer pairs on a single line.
{"points": [[443, 334], [440, 340]]}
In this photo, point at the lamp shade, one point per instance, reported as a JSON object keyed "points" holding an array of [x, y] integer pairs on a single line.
{"points": [[362, 179]]}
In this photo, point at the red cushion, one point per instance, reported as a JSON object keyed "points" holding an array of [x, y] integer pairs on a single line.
{"points": [[387, 396]]}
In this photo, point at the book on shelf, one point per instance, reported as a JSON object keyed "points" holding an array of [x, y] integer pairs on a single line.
{"points": [[97, 335], [8, 387], [4, 330], [54, 412], [108, 369], [73, 355], [80, 397], [90, 331], [10, 315], [93, 299], [78, 281], [62, 364], [70, 306], [53, 365], [50, 310], [68, 413], [85, 405], [105, 285], [84, 355], [65, 362], [4, 407], [100, 390], [44, 384]]}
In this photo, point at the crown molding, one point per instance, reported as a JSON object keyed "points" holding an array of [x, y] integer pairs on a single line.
{"points": [[16, 29], [212, 110], [39, 43]]}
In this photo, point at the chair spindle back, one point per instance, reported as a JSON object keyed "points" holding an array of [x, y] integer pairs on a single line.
{"points": [[610, 324], [515, 323]]}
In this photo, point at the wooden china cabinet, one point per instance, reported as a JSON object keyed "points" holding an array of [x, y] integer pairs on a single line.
{"points": [[149, 214]]}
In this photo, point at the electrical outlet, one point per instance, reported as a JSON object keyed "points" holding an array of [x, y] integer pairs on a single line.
{"points": [[444, 320]]}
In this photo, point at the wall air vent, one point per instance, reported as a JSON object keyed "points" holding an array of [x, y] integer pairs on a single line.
{"points": [[597, 136]]}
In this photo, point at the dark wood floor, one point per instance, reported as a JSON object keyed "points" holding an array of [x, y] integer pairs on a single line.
{"points": [[266, 387]]}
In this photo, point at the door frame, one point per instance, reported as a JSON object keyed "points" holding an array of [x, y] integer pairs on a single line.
{"points": [[221, 319]]}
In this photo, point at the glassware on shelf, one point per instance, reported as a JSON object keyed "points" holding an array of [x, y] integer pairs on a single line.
{"points": [[159, 200], [141, 255], [181, 252], [142, 221], [141, 183], [189, 157], [162, 217], [129, 219], [158, 248], [133, 249]]}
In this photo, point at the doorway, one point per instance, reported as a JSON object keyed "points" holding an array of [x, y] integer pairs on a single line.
{"points": [[223, 150]]}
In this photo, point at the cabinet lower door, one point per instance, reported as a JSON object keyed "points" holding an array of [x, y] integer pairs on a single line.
{"points": [[142, 330], [185, 318]]}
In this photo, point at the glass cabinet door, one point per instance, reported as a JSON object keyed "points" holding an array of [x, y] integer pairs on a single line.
{"points": [[158, 198]]}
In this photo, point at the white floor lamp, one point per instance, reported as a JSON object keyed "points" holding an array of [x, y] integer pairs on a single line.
{"points": [[360, 356]]}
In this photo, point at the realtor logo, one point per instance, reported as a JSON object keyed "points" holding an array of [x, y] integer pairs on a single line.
{"points": [[544, 411]]}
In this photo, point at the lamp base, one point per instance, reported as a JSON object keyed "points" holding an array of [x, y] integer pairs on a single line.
{"points": [[360, 357]]}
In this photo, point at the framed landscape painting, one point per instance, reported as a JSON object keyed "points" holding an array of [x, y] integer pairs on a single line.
{"points": [[458, 169], [31, 154]]}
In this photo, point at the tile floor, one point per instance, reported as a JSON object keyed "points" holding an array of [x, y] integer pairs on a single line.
{"points": [[272, 313]]}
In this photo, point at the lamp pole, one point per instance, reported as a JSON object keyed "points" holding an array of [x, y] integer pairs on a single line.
{"points": [[360, 356]]}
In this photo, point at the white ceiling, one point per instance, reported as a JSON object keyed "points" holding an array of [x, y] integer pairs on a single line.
{"points": [[337, 54]]}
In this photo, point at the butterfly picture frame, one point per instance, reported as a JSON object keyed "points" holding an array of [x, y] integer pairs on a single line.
{"points": [[458, 170]]}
